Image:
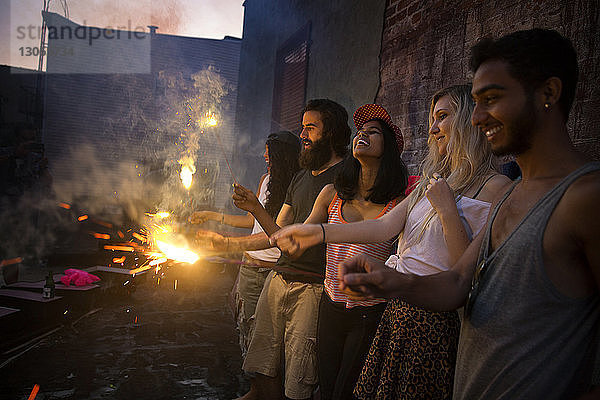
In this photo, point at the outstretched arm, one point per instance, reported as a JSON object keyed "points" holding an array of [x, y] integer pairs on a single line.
{"points": [[238, 221], [258, 241], [443, 291], [297, 238]]}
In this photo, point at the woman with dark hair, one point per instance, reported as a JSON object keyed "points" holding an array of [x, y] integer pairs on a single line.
{"points": [[414, 350], [281, 155], [371, 182]]}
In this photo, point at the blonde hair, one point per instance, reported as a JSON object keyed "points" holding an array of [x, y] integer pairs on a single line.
{"points": [[468, 159]]}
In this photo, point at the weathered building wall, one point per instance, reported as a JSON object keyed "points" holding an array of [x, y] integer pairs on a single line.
{"points": [[343, 63], [426, 46], [112, 134]]}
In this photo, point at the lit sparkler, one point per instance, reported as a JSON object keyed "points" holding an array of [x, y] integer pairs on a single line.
{"points": [[210, 119], [160, 214], [177, 253]]}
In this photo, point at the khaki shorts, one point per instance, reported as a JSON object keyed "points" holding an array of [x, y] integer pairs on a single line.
{"points": [[286, 323]]}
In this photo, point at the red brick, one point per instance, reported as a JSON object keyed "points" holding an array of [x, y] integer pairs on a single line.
{"points": [[426, 47]]}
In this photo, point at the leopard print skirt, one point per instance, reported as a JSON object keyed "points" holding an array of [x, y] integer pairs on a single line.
{"points": [[412, 355]]}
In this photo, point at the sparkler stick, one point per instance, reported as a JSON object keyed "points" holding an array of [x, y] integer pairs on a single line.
{"points": [[225, 157], [221, 260]]}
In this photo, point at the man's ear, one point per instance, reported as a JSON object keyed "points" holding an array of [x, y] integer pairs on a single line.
{"points": [[551, 91]]}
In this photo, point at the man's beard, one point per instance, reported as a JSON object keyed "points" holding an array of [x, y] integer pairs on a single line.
{"points": [[519, 132], [316, 156]]}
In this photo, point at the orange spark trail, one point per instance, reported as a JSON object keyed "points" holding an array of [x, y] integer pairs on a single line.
{"points": [[121, 248], [34, 392], [138, 237], [10, 261]]}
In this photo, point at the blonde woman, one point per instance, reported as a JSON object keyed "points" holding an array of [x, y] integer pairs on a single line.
{"points": [[414, 350]]}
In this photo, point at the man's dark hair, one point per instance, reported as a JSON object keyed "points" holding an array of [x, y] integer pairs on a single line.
{"points": [[335, 123], [533, 56], [392, 176]]}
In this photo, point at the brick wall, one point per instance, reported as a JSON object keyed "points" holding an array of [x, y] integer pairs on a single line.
{"points": [[426, 46]]}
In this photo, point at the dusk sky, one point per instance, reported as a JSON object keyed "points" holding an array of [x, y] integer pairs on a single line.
{"points": [[196, 18]]}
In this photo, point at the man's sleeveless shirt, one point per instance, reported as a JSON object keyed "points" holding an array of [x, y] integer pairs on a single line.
{"points": [[523, 338]]}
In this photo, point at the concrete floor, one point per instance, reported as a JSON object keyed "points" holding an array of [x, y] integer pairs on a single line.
{"points": [[164, 341]]}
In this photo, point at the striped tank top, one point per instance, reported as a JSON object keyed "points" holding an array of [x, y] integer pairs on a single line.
{"points": [[338, 252]]}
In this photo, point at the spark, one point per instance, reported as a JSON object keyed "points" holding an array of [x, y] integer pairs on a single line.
{"points": [[118, 260], [160, 214], [210, 119], [177, 254], [65, 206], [158, 261], [120, 248], [82, 218], [104, 236], [120, 234], [138, 237], [187, 174], [10, 261], [175, 284]]}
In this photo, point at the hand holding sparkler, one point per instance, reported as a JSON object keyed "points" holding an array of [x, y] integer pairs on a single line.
{"points": [[245, 199]]}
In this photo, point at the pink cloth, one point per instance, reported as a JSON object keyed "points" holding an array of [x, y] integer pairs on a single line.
{"points": [[78, 277]]}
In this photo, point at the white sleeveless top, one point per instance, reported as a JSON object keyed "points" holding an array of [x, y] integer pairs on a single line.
{"points": [[429, 254], [272, 254]]}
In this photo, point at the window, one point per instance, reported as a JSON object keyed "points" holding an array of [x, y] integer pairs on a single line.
{"points": [[289, 90]]}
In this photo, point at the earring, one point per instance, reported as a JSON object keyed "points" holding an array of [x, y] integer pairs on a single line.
{"points": [[546, 105]]}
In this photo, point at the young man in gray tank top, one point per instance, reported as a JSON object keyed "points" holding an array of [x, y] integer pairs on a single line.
{"points": [[530, 280]]}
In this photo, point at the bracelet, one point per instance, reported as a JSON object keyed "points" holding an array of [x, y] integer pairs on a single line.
{"points": [[323, 230]]}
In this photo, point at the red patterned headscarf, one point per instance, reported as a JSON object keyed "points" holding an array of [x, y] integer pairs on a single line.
{"points": [[369, 112]]}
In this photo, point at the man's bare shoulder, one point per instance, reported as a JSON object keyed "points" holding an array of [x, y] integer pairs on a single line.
{"points": [[496, 186], [584, 192], [580, 205]]}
